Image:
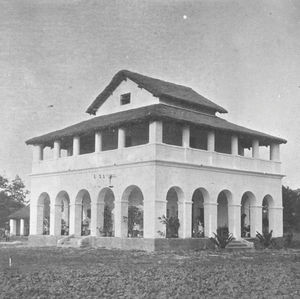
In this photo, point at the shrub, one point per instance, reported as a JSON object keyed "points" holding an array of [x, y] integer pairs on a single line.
{"points": [[265, 240], [222, 238], [172, 225]]}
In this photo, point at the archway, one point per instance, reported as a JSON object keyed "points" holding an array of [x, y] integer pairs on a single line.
{"points": [[174, 215], [247, 215], [106, 200], [266, 215], [63, 202], [83, 213], [199, 197], [135, 213], [222, 220], [44, 211]]}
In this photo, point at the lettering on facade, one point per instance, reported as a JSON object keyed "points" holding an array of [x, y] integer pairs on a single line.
{"points": [[104, 180]]}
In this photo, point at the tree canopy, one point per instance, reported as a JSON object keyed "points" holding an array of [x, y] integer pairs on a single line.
{"points": [[291, 208]]}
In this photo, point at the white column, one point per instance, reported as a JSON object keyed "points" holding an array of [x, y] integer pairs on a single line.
{"points": [[186, 136], [155, 132], [97, 215], [210, 218], [98, 142], [256, 220], [13, 227], [56, 149], [121, 218], [211, 141], [234, 145], [274, 152], [38, 151], [149, 217], [275, 221], [55, 220], [75, 219], [76, 145], [160, 210], [22, 227], [234, 220], [255, 149], [187, 219], [121, 137]]}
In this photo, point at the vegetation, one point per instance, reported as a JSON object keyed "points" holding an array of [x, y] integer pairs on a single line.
{"points": [[265, 239], [222, 237], [12, 197], [100, 273], [291, 209], [172, 226]]}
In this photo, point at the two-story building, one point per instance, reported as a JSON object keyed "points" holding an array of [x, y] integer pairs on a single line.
{"points": [[153, 149]]}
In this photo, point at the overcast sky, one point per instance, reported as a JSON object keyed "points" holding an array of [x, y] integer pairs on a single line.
{"points": [[243, 55]]}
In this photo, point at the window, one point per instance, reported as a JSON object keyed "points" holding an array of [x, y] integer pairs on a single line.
{"points": [[125, 98]]}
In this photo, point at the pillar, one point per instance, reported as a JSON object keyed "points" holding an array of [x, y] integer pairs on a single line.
{"points": [[75, 219], [22, 227], [211, 141], [149, 217], [155, 132], [56, 149], [274, 152], [97, 217], [255, 149], [187, 219], [186, 136], [38, 152], [98, 142], [76, 145], [121, 137], [13, 227], [121, 218], [234, 145], [210, 218], [256, 220], [276, 221], [55, 219], [234, 220], [160, 210]]}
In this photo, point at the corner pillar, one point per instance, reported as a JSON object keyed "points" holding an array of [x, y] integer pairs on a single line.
{"points": [[274, 152], [155, 131], [38, 153], [55, 220], [275, 221]]}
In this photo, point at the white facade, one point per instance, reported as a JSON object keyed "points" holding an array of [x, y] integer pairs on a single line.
{"points": [[214, 188]]}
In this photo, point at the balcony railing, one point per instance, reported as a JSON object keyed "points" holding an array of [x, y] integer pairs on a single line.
{"points": [[156, 152]]}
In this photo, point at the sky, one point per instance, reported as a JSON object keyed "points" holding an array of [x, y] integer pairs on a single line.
{"points": [[57, 56]]}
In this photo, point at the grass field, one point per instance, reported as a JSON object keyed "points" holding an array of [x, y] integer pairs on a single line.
{"points": [[100, 273]]}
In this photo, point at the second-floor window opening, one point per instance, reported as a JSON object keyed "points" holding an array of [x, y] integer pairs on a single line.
{"points": [[125, 98]]}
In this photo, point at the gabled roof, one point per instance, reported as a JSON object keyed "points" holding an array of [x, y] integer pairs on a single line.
{"points": [[22, 213], [153, 112], [157, 88]]}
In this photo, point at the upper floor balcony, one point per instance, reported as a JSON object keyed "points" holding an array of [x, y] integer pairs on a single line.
{"points": [[155, 141]]}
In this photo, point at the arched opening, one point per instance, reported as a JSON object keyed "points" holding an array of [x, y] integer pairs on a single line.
{"points": [[198, 212], [83, 212], [247, 217], [172, 221], [222, 219], [135, 217], [63, 201], [266, 205], [107, 199], [44, 211]]}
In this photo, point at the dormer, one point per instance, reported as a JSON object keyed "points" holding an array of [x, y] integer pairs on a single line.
{"points": [[128, 90]]}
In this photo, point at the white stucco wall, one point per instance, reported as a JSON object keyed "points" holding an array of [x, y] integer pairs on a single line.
{"points": [[139, 98]]}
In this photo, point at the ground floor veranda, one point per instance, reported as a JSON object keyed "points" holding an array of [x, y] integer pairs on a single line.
{"points": [[160, 210]]}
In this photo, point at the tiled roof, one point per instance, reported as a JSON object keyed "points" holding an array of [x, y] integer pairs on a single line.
{"points": [[157, 88], [154, 112]]}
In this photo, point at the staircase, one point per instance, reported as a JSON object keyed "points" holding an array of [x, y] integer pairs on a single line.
{"points": [[75, 242], [240, 244]]}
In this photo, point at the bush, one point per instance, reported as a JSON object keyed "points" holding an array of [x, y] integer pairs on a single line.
{"points": [[172, 225], [264, 240], [222, 238]]}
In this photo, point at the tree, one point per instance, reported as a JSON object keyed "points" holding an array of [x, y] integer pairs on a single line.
{"points": [[12, 197], [291, 209]]}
